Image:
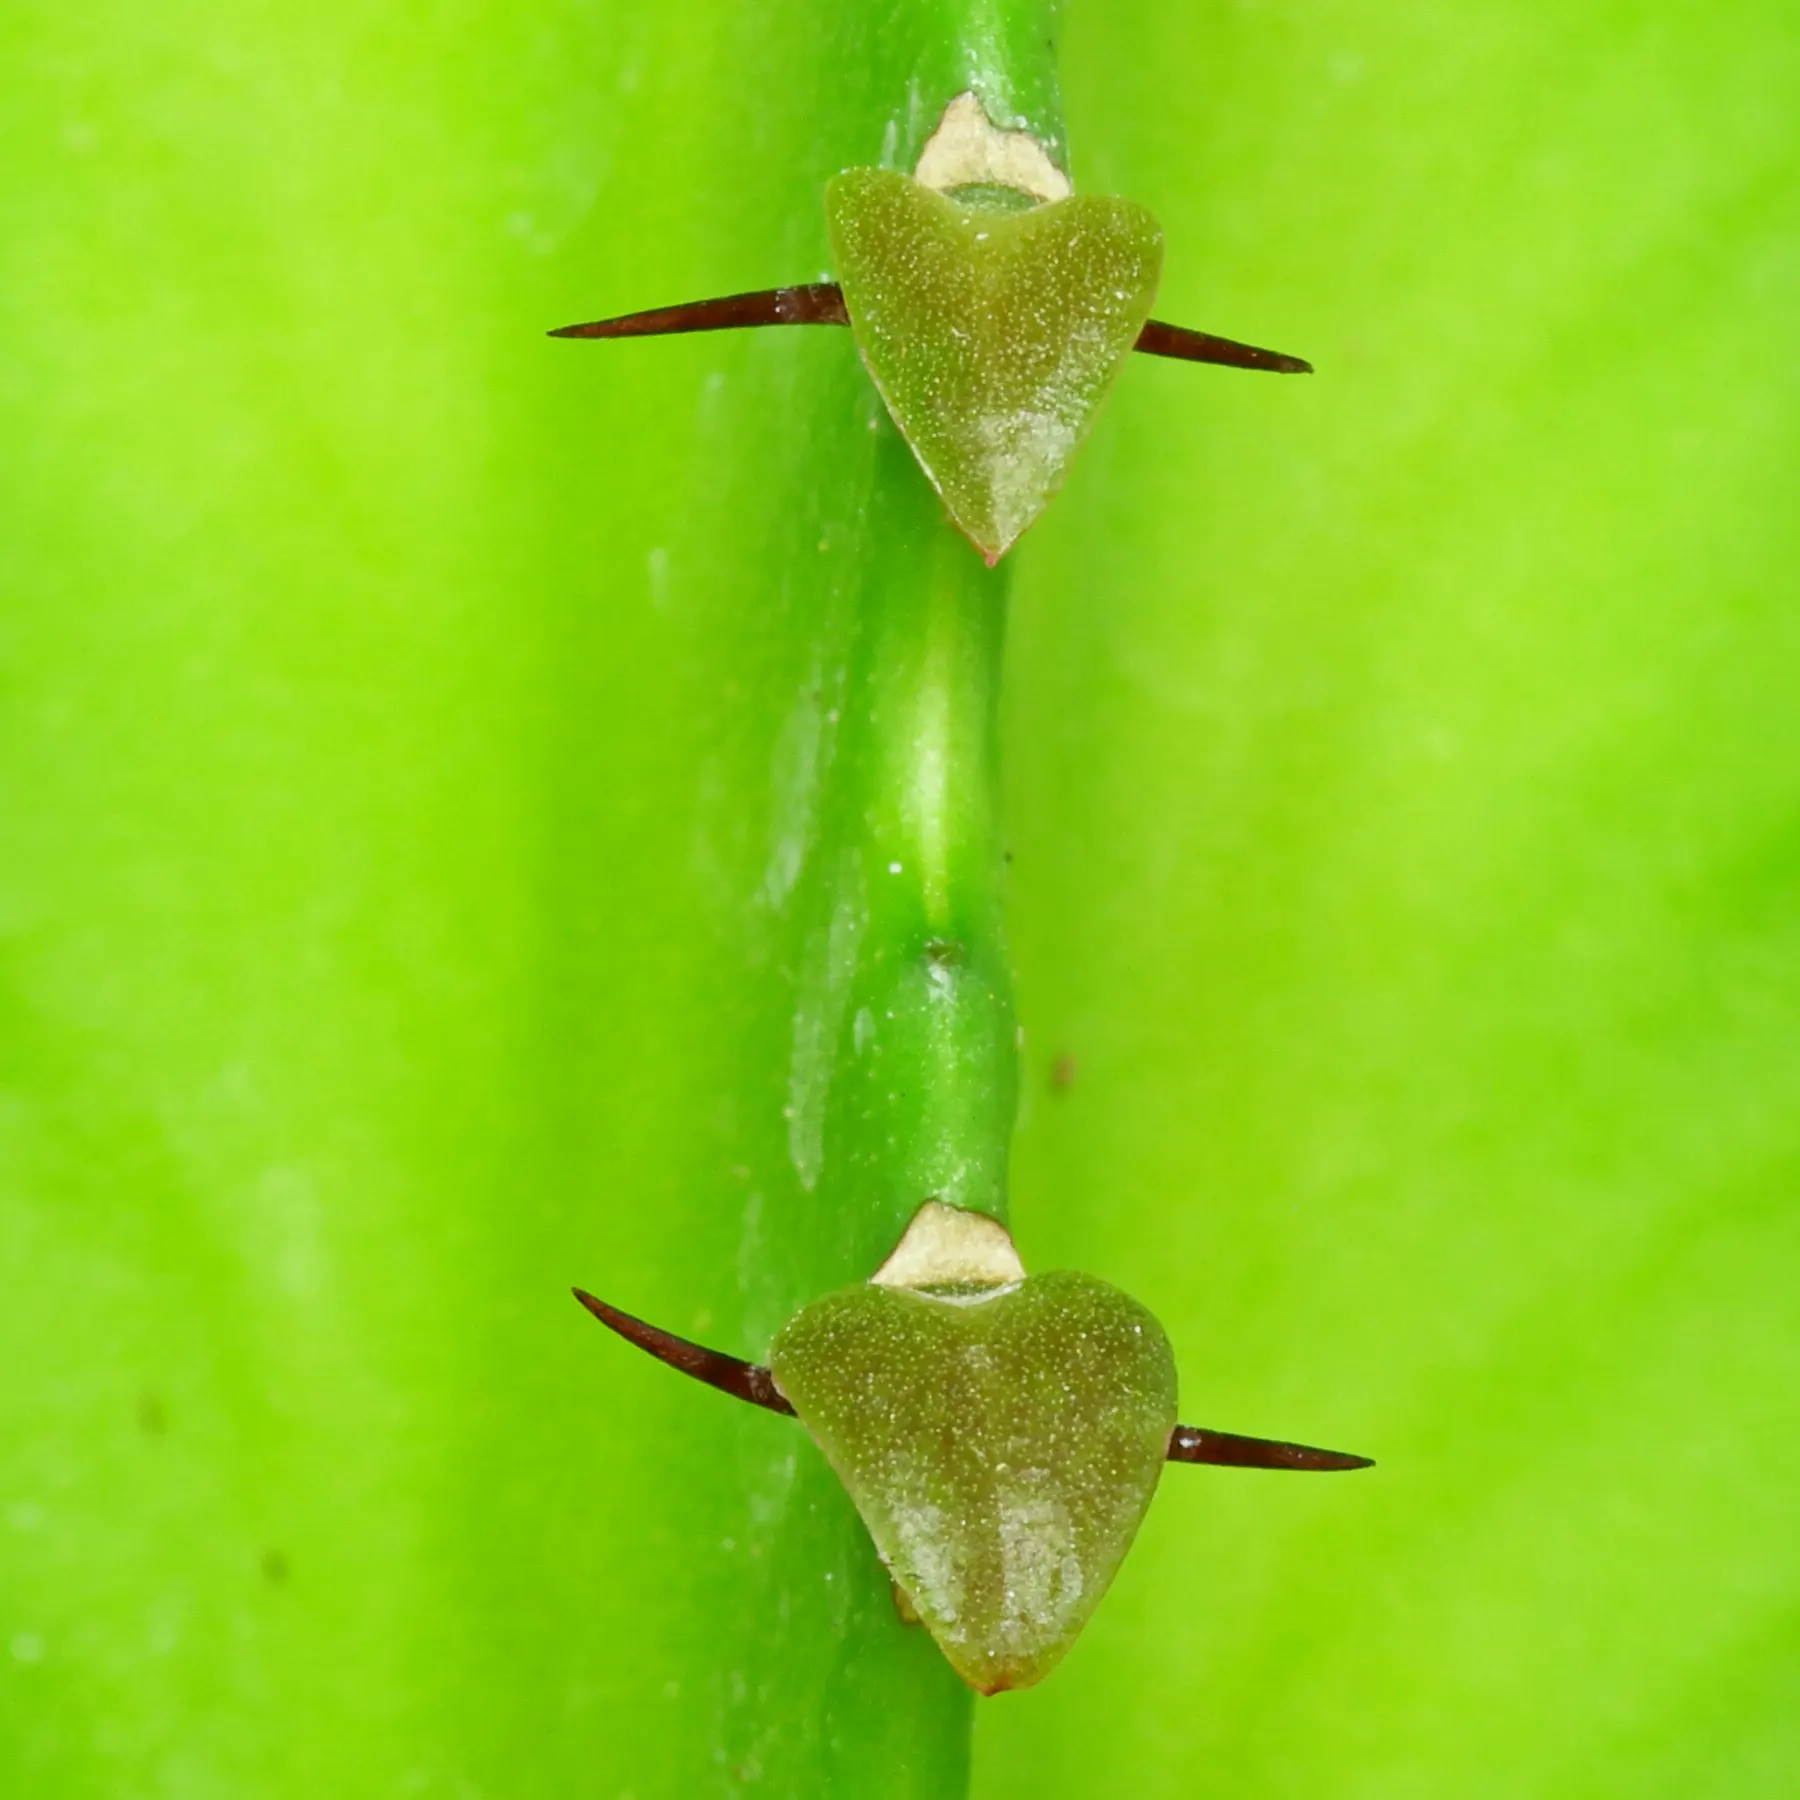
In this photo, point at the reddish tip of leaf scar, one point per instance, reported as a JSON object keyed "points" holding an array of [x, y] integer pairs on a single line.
{"points": [[822, 303], [742, 1380], [1192, 1443]]}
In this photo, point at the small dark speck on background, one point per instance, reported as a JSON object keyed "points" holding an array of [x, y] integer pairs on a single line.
{"points": [[1062, 1073], [152, 1414], [274, 1567]]}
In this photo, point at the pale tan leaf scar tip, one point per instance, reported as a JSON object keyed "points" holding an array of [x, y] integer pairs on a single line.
{"points": [[949, 1247], [967, 150]]}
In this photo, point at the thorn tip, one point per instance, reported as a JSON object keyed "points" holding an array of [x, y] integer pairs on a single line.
{"points": [[1227, 1449], [729, 1374]]}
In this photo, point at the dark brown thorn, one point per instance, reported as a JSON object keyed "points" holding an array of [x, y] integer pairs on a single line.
{"points": [[1158, 339], [1194, 1444], [821, 303], [742, 1380]]}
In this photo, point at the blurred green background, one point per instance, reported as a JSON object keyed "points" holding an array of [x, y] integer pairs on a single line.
{"points": [[400, 725]]}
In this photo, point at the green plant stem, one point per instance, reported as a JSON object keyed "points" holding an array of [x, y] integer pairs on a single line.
{"points": [[904, 1068], [897, 1065], [1003, 51], [925, 1085]]}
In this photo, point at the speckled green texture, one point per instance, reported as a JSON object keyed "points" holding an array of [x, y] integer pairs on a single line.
{"points": [[1001, 1448], [992, 334]]}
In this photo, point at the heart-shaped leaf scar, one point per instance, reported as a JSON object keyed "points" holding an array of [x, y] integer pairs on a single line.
{"points": [[993, 307], [1000, 1433]]}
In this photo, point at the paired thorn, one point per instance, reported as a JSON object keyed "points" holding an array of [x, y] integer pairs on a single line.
{"points": [[754, 1383], [822, 303]]}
